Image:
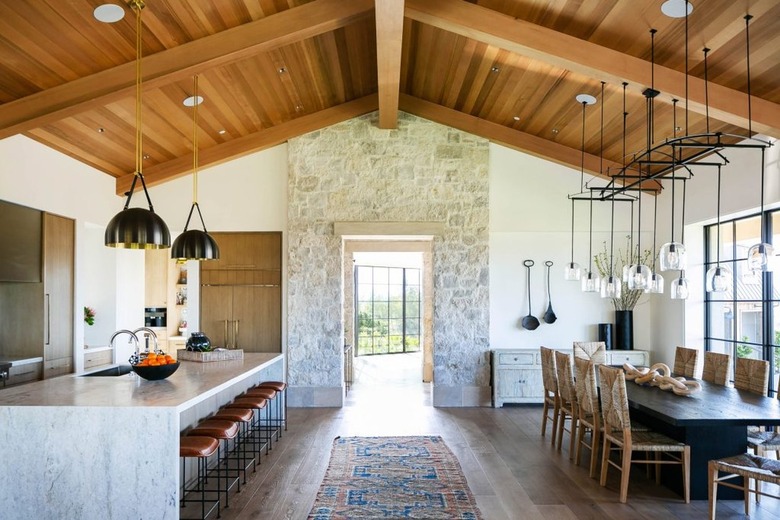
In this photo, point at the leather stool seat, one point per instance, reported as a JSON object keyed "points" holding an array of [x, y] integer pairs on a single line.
{"points": [[216, 428], [267, 393], [279, 386], [246, 401], [197, 446], [235, 414]]}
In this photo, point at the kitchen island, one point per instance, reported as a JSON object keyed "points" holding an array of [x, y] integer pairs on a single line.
{"points": [[77, 447]]}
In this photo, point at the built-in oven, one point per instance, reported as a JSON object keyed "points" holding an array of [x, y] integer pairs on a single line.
{"points": [[155, 317]]}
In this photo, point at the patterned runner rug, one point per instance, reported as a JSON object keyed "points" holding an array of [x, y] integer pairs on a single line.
{"points": [[393, 477]]}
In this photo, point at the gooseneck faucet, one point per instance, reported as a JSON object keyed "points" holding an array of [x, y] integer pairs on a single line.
{"points": [[133, 338], [149, 332]]}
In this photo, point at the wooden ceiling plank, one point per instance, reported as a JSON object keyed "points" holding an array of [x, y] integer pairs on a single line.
{"points": [[389, 37], [261, 140], [506, 136], [591, 60], [180, 62]]}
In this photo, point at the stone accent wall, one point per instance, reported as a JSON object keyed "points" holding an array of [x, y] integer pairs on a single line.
{"points": [[419, 172]]}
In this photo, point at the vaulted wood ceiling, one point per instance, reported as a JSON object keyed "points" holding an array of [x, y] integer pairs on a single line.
{"points": [[269, 70]]}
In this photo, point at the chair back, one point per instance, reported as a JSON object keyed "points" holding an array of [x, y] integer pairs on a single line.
{"points": [[565, 380], [717, 368], [614, 400], [549, 377], [587, 392], [752, 375], [595, 351], [685, 361]]}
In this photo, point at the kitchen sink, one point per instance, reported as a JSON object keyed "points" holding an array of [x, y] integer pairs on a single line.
{"points": [[118, 370]]}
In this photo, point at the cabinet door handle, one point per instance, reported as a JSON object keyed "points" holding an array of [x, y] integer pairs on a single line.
{"points": [[225, 335], [48, 319], [235, 334]]}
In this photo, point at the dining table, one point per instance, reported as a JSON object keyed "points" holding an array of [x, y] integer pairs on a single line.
{"points": [[713, 422]]}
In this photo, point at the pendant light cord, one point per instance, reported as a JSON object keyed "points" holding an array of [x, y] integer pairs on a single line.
{"points": [[718, 241], [706, 92], [750, 104], [572, 231], [195, 141], [686, 72], [582, 150], [674, 157], [631, 233], [138, 137]]}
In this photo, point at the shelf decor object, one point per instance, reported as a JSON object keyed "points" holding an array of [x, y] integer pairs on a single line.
{"points": [[137, 228]]}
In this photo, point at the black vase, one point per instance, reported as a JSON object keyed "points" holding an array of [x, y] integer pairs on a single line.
{"points": [[605, 334], [198, 342], [624, 330]]}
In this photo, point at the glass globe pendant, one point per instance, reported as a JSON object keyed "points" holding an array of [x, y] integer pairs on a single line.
{"points": [[679, 288], [639, 277], [656, 285], [759, 257], [591, 282], [718, 279], [572, 271], [673, 257], [611, 287]]}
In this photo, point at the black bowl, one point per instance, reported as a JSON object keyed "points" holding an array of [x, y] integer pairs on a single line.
{"points": [[154, 373]]}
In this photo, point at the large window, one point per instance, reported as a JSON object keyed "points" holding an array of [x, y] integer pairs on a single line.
{"points": [[742, 321], [388, 305]]}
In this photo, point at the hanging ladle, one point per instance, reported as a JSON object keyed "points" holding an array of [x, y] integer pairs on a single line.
{"points": [[549, 316], [529, 322]]}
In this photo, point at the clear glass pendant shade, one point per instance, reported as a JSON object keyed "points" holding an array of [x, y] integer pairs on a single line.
{"points": [[626, 270], [591, 282], [679, 288], [639, 277], [760, 256], [611, 287], [572, 272], [672, 257], [718, 279], [656, 285]]}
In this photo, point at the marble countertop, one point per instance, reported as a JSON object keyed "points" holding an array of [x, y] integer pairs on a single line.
{"points": [[97, 348], [191, 383], [17, 361]]}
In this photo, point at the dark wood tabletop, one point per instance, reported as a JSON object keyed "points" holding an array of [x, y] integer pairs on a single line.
{"points": [[712, 405]]}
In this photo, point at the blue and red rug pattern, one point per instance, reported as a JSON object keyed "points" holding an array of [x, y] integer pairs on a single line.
{"points": [[393, 477]]}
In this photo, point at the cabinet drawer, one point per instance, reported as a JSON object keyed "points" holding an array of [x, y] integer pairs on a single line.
{"points": [[24, 373], [516, 358], [57, 367], [635, 358], [95, 359]]}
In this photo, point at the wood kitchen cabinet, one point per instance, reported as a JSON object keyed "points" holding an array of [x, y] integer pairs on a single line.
{"points": [[156, 277], [58, 265], [241, 293]]}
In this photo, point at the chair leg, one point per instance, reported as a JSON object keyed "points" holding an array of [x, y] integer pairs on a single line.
{"points": [[605, 460], [545, 411], [561, 426], [686, 468], [625, 472], [556, 412], [594, 451], [578, 444], [575, 425], [712, 488], [746, 491], [657, 468]]}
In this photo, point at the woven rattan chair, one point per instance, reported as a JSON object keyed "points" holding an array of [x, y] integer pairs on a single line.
{"points": [[589, 412], [568, 399], [685, 361], [617, 432], [717, 368], [551, 400], [752, 375], [595, 351], [749, 467]]}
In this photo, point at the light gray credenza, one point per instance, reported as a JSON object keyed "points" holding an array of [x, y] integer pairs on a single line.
{"points": [[517, 373]]}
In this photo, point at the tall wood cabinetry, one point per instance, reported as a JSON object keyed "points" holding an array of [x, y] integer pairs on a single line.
{"points": [[58, 264], [241, 293]]}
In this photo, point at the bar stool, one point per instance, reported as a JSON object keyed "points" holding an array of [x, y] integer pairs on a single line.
{"points": [[281, 388], [199, 448], [225, 431], [258, 404], [273, 424], [243, 417]]}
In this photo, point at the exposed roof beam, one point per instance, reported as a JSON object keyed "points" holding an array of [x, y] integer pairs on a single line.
{"points": [[261, 140], [515, 139], [389, 38], [580, 56], [102, 88]]}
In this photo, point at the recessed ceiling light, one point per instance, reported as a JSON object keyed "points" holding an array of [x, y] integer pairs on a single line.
{"points": [[677, 128], [191, 101], [222, 132], [585, 98], [147, 156], [101, 130], [282, 70], [555, 130], [494, 69], [108, 13], [676, 8], [298, 108], [516, 118]]}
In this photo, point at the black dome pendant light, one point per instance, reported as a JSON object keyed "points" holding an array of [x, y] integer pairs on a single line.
{"points": [[195, 244], [137, 228]]}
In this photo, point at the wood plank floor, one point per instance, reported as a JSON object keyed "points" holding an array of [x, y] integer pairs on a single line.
{"points": [[512, 470]]}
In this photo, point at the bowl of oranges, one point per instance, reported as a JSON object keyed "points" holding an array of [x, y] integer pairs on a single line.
{"points": [[154, 365]]}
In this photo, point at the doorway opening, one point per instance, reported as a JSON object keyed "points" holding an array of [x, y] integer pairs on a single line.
{"points": [[388, 317]]}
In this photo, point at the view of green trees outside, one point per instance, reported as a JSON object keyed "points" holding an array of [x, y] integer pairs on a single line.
{"points": [[388, 310]]}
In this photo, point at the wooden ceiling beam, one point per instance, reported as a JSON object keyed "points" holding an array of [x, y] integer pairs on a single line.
{"points": [[102, 88], [389, 39], [522, 141], [583, 57], [261, 140]]}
